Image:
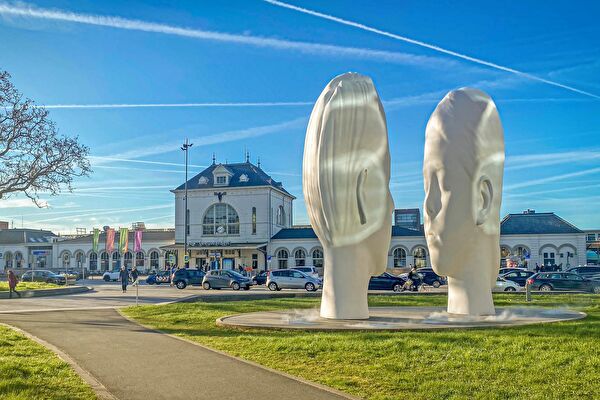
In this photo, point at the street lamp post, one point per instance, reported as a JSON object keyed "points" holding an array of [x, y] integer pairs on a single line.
{"points": [[185, 147]]}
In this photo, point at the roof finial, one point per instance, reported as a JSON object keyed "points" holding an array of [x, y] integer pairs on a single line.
{"points": [[258, 161], [247, 156], [214, 159]]}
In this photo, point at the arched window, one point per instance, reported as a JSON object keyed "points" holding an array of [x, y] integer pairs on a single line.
{"points": [[8, 259], [420, 256], [504, 256], [154, 259], [66, 260], [282, 259], [116, 259], [280, 216], [522, 255], [221, 219], [93, 261], [18, 259], [139, 259], [399, 258], [104, 261], [317, 258], [127, 259], [79, 259], [300, 257]]}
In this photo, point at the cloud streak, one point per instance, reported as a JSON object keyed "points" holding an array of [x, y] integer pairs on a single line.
{"points": [[182, 105], [26, 11], [552, 178], [429, 46]]}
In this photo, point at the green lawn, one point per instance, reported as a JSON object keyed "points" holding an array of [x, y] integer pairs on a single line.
{"points": [[30, 371], [553, 361], [29, 286]]}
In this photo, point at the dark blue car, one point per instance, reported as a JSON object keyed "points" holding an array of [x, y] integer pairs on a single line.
{"points": [[429, 277], [386, 281], [260, 278]]}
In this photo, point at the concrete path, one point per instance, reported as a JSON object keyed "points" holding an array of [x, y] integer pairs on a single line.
{"points": [[133, 362]]}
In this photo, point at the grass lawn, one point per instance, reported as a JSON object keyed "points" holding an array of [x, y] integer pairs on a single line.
{"points": [[30, 371], [553, 361], [29, 286]]}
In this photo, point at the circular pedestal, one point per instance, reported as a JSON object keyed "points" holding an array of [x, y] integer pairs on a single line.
{"points": [[399, 318]]}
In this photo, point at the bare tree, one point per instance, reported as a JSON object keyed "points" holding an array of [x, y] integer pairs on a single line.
{"points": [[34, 158]]}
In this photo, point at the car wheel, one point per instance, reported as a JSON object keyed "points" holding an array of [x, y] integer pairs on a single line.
{"points": [[246, 287], [310, 287], [545, 288], [510, 289], [180, 284], [436, 284], [106, 278], [397, 287], [206, 286], [273, 286], [235, 286]]}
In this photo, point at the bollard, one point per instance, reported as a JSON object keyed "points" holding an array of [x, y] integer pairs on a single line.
{"points": [[527, 292]]}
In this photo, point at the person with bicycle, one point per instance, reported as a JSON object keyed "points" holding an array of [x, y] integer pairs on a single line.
{"points": [[413, 280]]}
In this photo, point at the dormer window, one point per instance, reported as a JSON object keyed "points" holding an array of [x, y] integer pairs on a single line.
{"points": [[244, 178], [221, 175], [203, 180]]}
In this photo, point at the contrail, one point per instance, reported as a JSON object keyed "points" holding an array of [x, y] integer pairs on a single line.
{"points": [[180, 105], [257, 41], [108, 158], [552, 178], [93, 214], [428, 46]]}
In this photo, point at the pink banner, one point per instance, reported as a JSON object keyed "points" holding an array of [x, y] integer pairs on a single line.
{"points": [[110, 240], [138, 241]]}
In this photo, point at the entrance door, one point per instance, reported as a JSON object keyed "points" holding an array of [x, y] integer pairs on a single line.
{"points": [[228, 263]]}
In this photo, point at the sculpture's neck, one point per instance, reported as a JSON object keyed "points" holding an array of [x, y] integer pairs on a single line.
{"points": [[346, 282], [470, 293]]}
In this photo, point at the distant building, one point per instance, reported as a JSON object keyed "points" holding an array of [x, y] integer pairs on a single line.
{"points": [[592, 246], [409, 218], [3, 224]]}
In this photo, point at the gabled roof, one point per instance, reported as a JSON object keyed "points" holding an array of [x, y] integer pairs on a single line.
{"points": [[253, 176], [24, 236], [536, 223], [309, 233]]}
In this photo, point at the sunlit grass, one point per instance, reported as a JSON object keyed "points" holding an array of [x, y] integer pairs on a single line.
{"points": [[552, 361], [29, 286], [30, 371]]}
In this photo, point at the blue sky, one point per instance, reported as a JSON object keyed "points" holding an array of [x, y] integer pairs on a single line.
{"points": [[229, 54]]}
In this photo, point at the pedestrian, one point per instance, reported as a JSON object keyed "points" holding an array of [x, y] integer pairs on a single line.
{"points": [[124, 277], [12, 284], [134, 276], [172, 275], [537, 268], [241, 269]]}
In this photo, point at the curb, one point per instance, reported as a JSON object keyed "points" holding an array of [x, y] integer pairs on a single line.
{"points": [[88, 378], [47, 292], [316, 385]]}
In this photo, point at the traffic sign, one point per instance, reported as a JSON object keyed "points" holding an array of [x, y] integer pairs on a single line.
{"points": [[171, 258], [186, 259]]}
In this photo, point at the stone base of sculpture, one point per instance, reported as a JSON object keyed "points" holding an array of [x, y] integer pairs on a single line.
{"points": [[399, 318]]}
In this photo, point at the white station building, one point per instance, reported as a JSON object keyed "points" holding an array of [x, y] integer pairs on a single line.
{"points": [[239, 216]]}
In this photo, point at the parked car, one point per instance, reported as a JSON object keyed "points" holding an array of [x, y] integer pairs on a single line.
{"points": [[188, 276], [292, 279], [387, 281], [219, 279], [158, 278], [547, 281], [43, 276], [312, 271], [585, 271], [503, 271], [70, 275], [505, 285], [430, 278], [519, 276], [260, 278], [113, 275]]}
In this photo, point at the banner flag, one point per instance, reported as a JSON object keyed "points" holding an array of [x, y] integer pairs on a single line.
{"points": [[95, 238], [123, 240], [137, 246], [110, 240]]}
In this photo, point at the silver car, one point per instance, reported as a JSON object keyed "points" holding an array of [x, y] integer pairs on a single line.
{"points": [[220, 279], [292, 279]]}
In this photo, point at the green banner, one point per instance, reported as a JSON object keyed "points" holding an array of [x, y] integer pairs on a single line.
{"points": [[95, 238], [123, 240]]}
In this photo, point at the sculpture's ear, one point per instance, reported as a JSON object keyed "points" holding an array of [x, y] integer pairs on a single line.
{"points": [[485, 196], [361, 195]]}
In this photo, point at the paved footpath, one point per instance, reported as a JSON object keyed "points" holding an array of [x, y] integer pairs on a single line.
{"points": [[133, 362]]}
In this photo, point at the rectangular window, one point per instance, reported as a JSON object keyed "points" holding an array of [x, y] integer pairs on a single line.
{"points": [[254, 220], [254, 261], [221, 180], [591, 237]]}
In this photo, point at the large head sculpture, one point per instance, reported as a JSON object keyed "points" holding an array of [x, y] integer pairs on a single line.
{"points": [[346, 172], [462, 169]]}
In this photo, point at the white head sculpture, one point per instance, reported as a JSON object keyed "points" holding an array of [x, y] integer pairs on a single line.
{"points": [[346, 174], [462, 169]]}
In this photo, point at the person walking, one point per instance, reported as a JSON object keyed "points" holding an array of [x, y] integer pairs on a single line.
{"points": [[134, 276], [12, 284], [537, 267], [124, 277]]}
